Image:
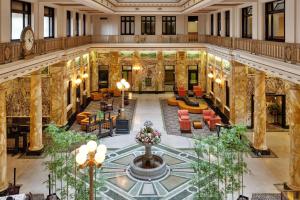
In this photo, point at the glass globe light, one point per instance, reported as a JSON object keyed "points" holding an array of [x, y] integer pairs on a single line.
{"points": [[119, 85], [83, 149], [99, 157], [81, 158], [123, 81], [91, 146], [101, 149], [127, 85]]}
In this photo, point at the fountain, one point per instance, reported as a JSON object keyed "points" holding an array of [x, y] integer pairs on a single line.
{"points": [[148, 166]]}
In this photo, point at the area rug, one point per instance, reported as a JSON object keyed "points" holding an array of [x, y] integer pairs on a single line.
{"points": [[94, 106], [266, 196], [171, 123]]}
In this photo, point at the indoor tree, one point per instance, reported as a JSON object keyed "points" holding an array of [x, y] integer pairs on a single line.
{"points": [[66, 179], [220, 165]]}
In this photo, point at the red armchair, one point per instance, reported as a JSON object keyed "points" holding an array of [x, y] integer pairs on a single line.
{"points": [[181, 91], [207, 115], [213, 121], [184, 121], [197, 91]]}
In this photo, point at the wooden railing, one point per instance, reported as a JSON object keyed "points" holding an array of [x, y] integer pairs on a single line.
{"points": [[12, 51], [282, 51], [148, 38]]}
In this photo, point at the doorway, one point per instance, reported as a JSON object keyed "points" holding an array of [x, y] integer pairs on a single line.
{"points": [[276, 111], [192, 76], [193, 28], [103, 76], [169, 78], [127, 74]]}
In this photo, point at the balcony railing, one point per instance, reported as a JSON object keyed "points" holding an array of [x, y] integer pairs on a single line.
{"points": [[278, 50], [12, 51]]}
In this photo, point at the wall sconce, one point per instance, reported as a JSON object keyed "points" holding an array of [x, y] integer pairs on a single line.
{"points": [[78, 81], [136, 68], [210, 75], [218, 80], [85, 75]]}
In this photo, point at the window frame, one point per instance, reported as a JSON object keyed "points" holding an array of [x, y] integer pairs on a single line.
{"points": [[212, 24], [144, 19], [51, 14], [245, 16], [77, 18], [272, 12], [24, 12], [84, 24], [227, 23], [167, 28], [130, 21], [219, 25], [69, 24]]}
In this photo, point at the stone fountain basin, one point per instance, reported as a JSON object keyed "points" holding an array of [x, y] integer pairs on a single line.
{"points": [[159, 170]]}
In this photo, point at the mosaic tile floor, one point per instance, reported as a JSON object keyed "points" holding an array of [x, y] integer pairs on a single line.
{"points": [[172, 125], [176, 185]]}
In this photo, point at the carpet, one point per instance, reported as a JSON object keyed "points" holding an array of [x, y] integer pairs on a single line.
{"points": [[94, 106], [171, 123], [266, 196]]}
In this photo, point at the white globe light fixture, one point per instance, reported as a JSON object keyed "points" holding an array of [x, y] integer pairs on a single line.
{"points": [[91, 155], [123, 85]]}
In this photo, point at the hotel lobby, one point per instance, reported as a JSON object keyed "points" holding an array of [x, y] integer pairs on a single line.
{"points": [[149, 99]]}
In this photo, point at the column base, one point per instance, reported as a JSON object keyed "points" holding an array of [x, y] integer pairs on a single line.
{"points": [[260, 152], [4, 192], [35, 153]]}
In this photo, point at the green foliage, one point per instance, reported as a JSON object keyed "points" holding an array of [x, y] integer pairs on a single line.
{"points": [[67, 180], [220, 166]]}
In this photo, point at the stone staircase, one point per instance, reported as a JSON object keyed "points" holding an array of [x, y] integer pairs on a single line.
{"points": [[266, 196]]}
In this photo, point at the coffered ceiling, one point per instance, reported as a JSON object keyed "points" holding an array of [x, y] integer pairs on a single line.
{"points": [[148, 6]]}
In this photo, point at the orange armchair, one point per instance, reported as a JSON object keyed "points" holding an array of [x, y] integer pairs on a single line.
{"points": [[181, 91], [184, 121], [207, 115], [117, 93], [96, 96], [197, 91], [81, 116], [213, 122]]}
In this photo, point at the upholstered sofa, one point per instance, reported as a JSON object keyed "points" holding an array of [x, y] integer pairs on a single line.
{"points": [[96, 96], [184, 121], [183, 106]]}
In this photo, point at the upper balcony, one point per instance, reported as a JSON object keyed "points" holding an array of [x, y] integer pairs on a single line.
{"points": [[287, 52]]}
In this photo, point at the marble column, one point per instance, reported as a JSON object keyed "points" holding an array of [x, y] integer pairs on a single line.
{"points": [[181, 70], [202, 73], [260, 113], [94, 72], [3, 141], [115, 71], [36, 131], [160, 71], [294, 95], [238, 93], [58, 92]]}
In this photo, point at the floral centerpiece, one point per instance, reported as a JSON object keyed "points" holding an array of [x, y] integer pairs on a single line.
{"points": [[147, 135]]}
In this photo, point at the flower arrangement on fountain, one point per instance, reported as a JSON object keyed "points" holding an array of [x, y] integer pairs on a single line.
{"points": [[147, 135]]}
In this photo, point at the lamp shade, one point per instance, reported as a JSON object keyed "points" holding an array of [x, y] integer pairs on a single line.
{"points": [[81, 158], [99, 157], [77, 81], [210, 75], [218, 80], [101, 148], [85, 75], [91, 146]]}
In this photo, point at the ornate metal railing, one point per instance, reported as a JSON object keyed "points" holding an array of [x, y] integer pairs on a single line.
{"points": [[287, 52], [12, 51]]}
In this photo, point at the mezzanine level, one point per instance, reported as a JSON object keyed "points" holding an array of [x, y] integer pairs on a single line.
{"points": [[287, 52]]}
